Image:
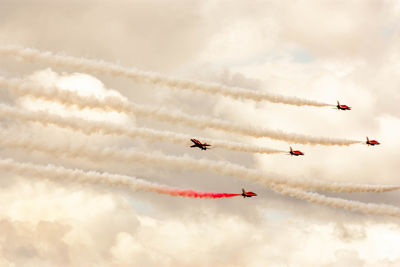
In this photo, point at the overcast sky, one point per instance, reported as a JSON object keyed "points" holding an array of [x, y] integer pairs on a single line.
{"points": [[317, 50]]}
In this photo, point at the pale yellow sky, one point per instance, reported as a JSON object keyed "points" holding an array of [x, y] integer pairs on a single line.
{"points": [[317, 50]]}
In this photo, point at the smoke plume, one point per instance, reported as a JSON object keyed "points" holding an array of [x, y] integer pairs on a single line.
{"points": [[59, 173], [351, 205], [101, 67], [113, 103], [92, 127], [183, 163]]}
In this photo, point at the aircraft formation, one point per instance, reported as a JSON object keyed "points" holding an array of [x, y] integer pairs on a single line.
{"points": [[304, 189], [205, 146]]}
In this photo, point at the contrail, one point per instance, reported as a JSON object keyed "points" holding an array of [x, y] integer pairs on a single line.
{"points": [[52, 172], [113, 103], [92, 127], [351, 205], [136, 75], [75, 175], [183, 163]]}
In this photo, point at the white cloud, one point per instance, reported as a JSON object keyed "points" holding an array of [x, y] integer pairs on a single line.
{"points": [[353, 53]]}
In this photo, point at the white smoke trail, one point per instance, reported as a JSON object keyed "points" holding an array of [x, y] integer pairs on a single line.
{"points": [[61, 173], [70, 98], [93, 177], [351, 205], [183, 163], [52, 172], [92, 127], [151, 77]]}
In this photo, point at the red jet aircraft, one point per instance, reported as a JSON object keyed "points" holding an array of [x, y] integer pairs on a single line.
{"points": [[372, 142], [295, 152], [342, 107], [248, 194], [197, 143]]}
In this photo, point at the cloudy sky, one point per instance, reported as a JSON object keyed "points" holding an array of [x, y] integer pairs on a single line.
{"points": [[318, 50]]}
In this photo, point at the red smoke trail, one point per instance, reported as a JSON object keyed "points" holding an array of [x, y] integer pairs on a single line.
{"points": [[192, 193]]}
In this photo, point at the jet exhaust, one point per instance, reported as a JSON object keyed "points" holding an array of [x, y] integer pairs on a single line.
{"points": [[185, 163], [59, 173], [112, 103], [101, 67], [351, 205], [93, 127]]}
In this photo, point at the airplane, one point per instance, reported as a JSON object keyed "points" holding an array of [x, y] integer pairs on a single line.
{"points": [[295, 152], [197, 143], [372, 142], [248, 194], [342, 107]]}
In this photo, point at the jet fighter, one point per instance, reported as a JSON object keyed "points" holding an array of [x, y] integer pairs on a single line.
{"points": [[295, 152], [342, 107], [248, 194], [372, 142], [197, 143]]}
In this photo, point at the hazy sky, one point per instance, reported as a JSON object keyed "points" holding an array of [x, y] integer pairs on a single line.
{"points": [[318, 50]]}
